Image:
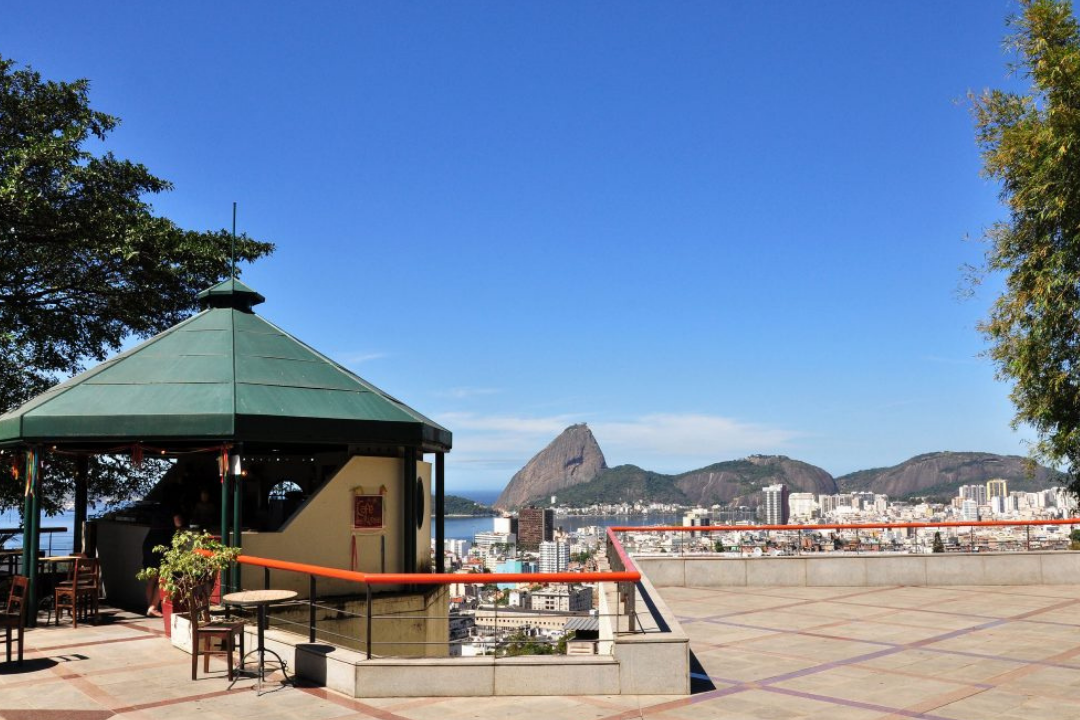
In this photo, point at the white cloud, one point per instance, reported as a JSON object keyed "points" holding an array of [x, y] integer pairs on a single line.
{"points": [[678, 442], [357, 358], [501, 435], [463, 393]]}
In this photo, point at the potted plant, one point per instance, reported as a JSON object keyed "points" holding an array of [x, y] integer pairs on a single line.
{"points": [[188, 568]]}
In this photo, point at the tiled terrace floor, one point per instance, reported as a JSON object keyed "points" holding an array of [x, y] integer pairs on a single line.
{"points": [[829, 653]]}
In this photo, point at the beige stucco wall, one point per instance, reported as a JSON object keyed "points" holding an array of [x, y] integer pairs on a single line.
{"points": [[321, 532]]}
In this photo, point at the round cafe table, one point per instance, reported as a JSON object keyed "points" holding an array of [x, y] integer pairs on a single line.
{"points": [[260, 600]]}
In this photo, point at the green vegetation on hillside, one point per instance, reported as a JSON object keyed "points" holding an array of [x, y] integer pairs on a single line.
{"points": [[457, 505], [624, 484]]}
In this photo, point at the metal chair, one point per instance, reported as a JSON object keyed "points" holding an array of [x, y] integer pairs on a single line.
{"points": [[14, 615], [205, 629]]}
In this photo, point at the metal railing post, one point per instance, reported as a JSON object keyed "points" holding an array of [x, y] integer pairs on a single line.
{"points": [[311, 608], [1028, 529], [266, 578]]}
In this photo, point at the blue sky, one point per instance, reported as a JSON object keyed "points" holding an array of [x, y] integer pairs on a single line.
{"points": [[708, 229]]}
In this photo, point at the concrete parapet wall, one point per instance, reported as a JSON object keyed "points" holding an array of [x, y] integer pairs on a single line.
{"points": [[1026, 568], [654, 660]]}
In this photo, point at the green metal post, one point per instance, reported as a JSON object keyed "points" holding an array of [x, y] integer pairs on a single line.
{"points": [[225, 496], [238, 512]]}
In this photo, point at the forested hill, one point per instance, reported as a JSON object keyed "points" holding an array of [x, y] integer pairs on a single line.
{"points": [[457, 505], [735, 482], [941, 473]]}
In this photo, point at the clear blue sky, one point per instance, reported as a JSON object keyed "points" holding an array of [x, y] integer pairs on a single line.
{"points": [[708, 229]]}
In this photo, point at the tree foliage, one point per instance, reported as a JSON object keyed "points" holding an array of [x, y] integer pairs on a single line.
{"points": [[84, 262], [939, 544], [1031, 145]]}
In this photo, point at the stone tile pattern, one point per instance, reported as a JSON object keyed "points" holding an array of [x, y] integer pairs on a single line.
{"points": [[832, 653]]}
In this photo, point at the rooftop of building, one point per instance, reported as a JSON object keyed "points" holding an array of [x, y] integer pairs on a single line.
{"points": [[833, 653]]}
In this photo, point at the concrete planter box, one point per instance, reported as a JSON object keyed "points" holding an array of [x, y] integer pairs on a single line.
{"points": [[180, 631]]}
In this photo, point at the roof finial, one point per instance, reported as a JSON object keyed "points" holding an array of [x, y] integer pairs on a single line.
{"points": [[233, 275]]}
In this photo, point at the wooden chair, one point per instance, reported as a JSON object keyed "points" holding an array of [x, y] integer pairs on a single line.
{"points": [[14, 615], [205, 629], [79, 593]]}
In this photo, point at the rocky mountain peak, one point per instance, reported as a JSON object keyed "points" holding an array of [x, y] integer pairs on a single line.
{"points": [[573, 458]]}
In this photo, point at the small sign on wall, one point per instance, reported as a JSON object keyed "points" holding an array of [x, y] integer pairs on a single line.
{"points": [[367, 512]]}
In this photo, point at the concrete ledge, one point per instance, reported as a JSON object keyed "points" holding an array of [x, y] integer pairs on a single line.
{"points": [[565, 675], [655, 661], [884, 571], [775, 572], [709, 573], [1060, 568], [416, 677], [846, 571], [868, 570]]}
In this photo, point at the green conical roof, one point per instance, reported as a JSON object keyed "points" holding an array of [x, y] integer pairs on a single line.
{"points": [[223, 374]]}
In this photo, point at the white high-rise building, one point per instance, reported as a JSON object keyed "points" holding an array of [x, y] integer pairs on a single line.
{"points": [[969, 509], [881, 504], [827, 503], [974, 492], [802, 505], [554, 556]]}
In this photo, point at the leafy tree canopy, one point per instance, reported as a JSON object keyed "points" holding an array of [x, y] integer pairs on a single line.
{"points": [[84, 262], [1031, 145]]}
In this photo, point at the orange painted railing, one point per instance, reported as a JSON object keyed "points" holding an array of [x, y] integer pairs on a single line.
{"points": [[629, 574], [434, 578], [848, 526]]}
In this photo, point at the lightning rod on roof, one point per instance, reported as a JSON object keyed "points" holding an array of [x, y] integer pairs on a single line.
{"points": [[233, 240]]}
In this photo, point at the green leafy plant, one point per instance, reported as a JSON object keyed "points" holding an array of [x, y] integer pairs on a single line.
{"points": [[188, 565], [939, 545]]}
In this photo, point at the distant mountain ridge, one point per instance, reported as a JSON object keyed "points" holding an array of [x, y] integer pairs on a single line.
{"points": [[941, 473], [572, 467], [734, 482]]}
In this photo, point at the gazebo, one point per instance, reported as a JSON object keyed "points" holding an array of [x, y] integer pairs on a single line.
{"points": [[228, 386]]}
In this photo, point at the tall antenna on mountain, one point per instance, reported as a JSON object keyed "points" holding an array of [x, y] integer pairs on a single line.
{"points": [[233, 275]]}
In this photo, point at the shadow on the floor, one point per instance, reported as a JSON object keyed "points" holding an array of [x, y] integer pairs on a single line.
{"points": [[699, 679], [29, 665]]}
